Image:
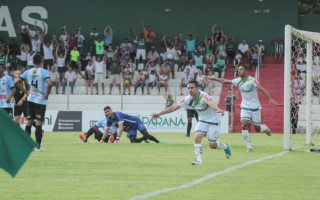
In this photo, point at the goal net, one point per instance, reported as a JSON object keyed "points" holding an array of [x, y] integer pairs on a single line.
{"points": [[301, 90]]}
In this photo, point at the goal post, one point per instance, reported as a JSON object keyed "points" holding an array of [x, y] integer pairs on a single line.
{"points": [[300, 68]]}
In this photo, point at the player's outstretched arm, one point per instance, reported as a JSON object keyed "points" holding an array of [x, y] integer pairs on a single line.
{"points": [[213, 106], [166, 111], [266, 93], [221, 80]]}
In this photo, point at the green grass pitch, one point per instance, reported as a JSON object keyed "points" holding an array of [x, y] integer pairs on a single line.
{"points": [[73, 170]]}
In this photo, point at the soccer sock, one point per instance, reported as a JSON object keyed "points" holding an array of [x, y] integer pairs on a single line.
{"points": [[263, 128], [246, 137], [39, 135], [90, 132], [28, 129], [34, 124], [189, 128], [198, 151], [221, 145], [150, 137], [146, 135]]}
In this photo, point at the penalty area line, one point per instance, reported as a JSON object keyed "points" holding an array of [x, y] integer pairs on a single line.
{"points": [[207, 177]]}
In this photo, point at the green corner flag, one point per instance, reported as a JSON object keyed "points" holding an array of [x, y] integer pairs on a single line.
{"points": [[15, 144]]}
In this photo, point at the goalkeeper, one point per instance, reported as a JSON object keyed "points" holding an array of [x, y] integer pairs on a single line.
{"points": [[126, 123]]}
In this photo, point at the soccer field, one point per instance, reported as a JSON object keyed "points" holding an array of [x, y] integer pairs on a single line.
{"points": [[71, 169]]}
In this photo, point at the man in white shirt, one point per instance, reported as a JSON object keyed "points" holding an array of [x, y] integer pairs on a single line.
{"points": [[193, 69], [244, 49], [48, 53], [54, 78], [69, 77]]}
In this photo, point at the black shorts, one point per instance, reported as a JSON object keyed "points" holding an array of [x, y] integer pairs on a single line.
{"points": [[18, 110], [36, 111], [230, 54], [192, 113], [74, 65], [8, 110], [62, 69]]}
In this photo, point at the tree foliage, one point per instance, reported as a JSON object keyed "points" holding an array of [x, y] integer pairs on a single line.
{"points": [[308, 7]]}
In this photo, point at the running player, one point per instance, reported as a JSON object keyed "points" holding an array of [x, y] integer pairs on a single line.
{"points": [[102, 123], [40, 86], [209, 119], [126, 123], [250, 105], [7, 90]]}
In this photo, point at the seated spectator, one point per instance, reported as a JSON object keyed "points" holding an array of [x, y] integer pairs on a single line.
{"points": [[302, 67], [24, 55], [170, 52], [187, 76], [163, 81], [125, 56], [127, 81], [221, 47], [219, 66], [163, 55], [244, 49], [128, 70], [177, 54], [54, 78], [151, 67], [88, 76], [254, 57], [230, 49], [152, 81], [193, 69], [165, 68], [70, 77], [182, 61], [209, 50], [140, 82], [201, 79], [208, 69], [298, 88], [238, 58], [153, 55], [198, 59], [210, 83]]}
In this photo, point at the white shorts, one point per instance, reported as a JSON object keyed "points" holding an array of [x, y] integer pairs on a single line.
{"points": [[141, 52], [213, 130], [98, 78], [249, 115]]}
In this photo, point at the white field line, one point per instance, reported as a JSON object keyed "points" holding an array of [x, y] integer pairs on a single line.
{"points": [[207, 177]]}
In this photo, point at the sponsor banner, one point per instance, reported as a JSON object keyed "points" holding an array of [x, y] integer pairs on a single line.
{"points": [[173, 122], [68, 121]]}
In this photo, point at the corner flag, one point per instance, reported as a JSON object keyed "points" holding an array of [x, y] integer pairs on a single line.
{"points": [[15, 144]]}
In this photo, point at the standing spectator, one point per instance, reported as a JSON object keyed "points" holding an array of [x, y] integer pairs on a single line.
{"points": [[210, 82], [163, 81], [208, 69], [153, 55], [70, 78], [115, 73], [127, 82], [254, 57], [202, 48], [61, 60], [177, 54], [198, 59], [185, 79], [30, 56], [260, 48], [170, 52], [278, 49], [38, 96], [190, 44], [125, 44], [125, 57], [54, 78], [93, 36], [24, 55], [163, 55], [89, 81], [14, 61], [230, 98], [99, 47], [141, 49], [219, 66], [150, 36], [90, 67], [152, 81], [14, 49], [25, 35], [209, 50], [230, 49], [81, 41], [244, 49], [36, 43], [110, 52], [74, 57], [98, 69], [108, 34], [64, 35], [221, 47], [183, 61], [140, 82], [48, 53], [72, 42]]}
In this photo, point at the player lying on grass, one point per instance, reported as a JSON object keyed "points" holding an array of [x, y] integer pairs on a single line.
{"points": [[250, 105], [126, 123], [209, 119]]}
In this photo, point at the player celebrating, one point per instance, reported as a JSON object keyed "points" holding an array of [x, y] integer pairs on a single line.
{"points": [[126, 123], [40, 87], [209, 119], [250, 105], [112, 133], [7, 90]]}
